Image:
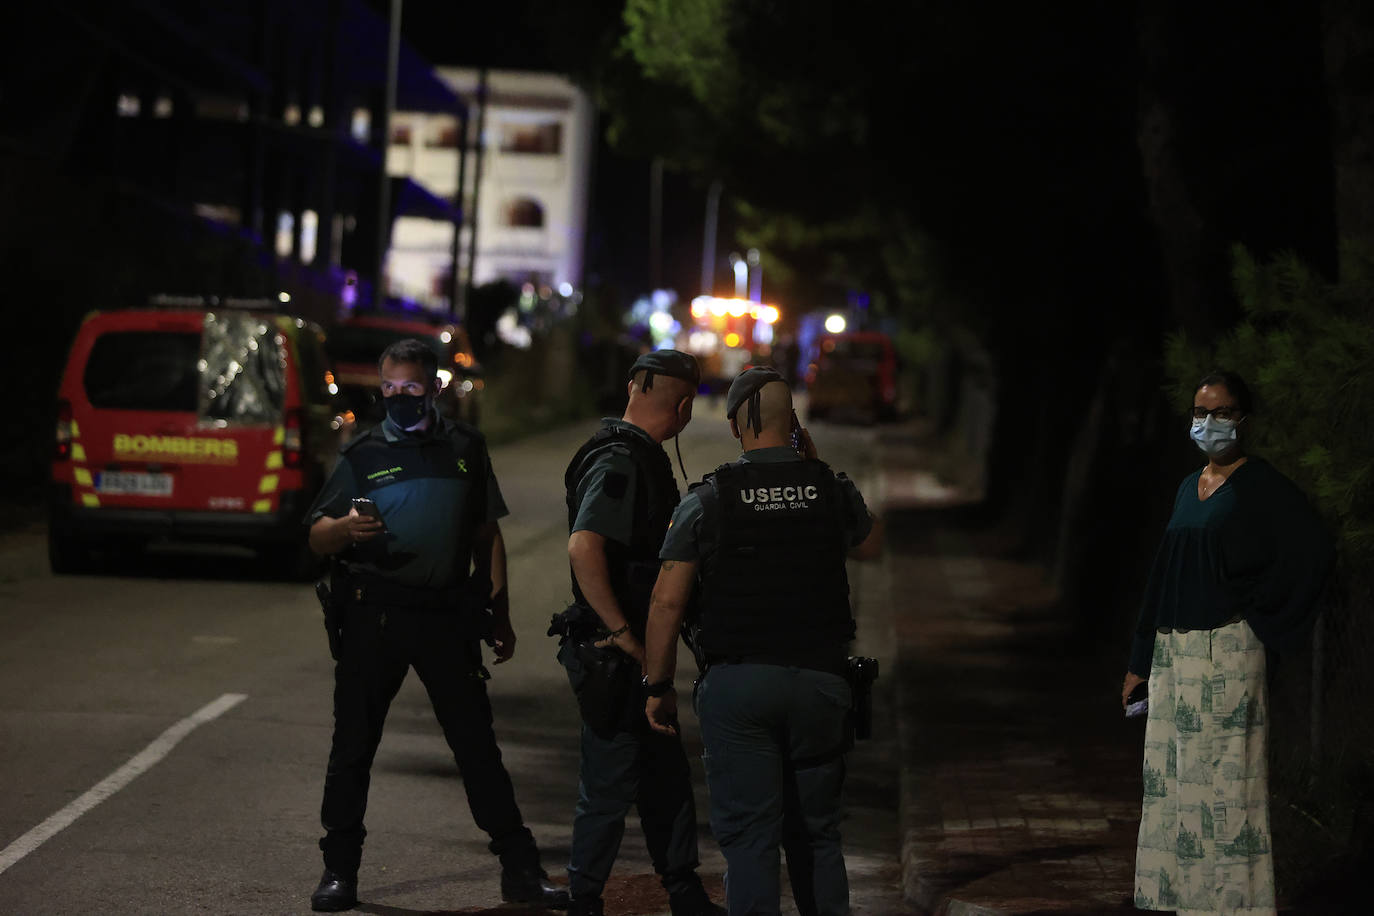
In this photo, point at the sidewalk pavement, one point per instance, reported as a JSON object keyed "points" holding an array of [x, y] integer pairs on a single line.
{"points": [[1020, 776]]}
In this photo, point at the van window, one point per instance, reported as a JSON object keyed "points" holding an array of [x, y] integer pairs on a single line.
{"points": [[143, 370], [243, 369]]}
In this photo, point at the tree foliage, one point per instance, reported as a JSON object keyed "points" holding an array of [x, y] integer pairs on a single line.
{"points": [[1306, 347]]}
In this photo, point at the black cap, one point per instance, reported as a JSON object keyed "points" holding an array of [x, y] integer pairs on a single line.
{"points": [[746, 387], [673, 363]]}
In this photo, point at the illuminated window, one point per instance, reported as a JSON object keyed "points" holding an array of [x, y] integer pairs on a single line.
{"points": [[292, 115], [310, 227], [286, 228], [540, 139], [127, 105], [162, 108], [361, 125], [316, 116]]}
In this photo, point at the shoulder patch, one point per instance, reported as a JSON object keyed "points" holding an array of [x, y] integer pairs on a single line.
{"points": [[614, 484]]}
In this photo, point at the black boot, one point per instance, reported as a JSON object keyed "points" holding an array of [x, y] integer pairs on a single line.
{"points": [[336, 892], [582, 905], [694, 902], [528, 883]]}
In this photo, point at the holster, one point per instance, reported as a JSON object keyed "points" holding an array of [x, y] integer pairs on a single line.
{"points": [[605, 681], [863, 671], [333, 618], [609, 689]]}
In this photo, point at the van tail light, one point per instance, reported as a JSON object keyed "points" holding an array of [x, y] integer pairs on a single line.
{"points": [[292, 443], [63, 445]]}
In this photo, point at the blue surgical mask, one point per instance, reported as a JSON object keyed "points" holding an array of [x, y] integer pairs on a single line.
{"points": [[1215, 437]]}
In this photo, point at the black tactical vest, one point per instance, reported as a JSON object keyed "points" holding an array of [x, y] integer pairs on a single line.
{"points": [[773, 579], [633, 569]]}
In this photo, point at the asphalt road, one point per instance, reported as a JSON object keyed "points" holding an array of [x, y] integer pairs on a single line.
{"points": [[163, 731]]}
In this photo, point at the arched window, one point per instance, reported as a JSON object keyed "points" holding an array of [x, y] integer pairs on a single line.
{"points": [[524, 212]]}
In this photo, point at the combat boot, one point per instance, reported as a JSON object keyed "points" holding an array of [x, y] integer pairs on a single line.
{"points": [[528, 883], [694, 902], [335, 892], [585, 905]]}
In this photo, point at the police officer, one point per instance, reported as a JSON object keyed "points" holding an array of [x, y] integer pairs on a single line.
{"points": [[621, 492], [418, 587], [766, 538]]}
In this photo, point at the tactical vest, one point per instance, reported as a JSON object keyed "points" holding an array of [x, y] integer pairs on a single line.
{"points": [[773, 579], [633, 569]]}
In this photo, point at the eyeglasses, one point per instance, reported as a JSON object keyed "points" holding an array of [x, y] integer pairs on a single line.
{"points": [[1228, 412]]}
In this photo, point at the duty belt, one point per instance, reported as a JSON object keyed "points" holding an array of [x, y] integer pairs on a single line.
{"points": [[832, 662], [364, 589]]}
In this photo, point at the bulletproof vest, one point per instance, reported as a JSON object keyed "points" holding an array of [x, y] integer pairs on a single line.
{"points": [[633, 569], [773, 579]]}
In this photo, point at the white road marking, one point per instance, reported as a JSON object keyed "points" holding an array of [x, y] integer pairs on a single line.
{"points": [[139, 763]]}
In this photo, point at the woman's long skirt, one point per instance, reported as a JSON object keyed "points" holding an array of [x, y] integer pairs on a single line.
{"points": [[1204, 842]]}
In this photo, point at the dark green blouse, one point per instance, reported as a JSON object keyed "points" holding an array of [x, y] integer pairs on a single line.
{"points": [[1254, 550]]}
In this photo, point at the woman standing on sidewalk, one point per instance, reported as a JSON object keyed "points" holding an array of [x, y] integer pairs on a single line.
{"points": [[1242, 563]]}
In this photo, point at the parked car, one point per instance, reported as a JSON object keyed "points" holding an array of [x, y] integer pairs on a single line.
{"points": [[356, 343], [190, 424], [853, 375]]}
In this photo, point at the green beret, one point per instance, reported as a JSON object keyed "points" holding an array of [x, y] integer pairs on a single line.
{"points": [[673, 363], [744, 387]]}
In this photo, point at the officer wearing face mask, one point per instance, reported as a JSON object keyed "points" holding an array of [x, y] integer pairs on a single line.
{"points": [[419, 584]]}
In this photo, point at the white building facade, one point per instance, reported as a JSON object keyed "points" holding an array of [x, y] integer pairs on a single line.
{"points": [[531, 215]]}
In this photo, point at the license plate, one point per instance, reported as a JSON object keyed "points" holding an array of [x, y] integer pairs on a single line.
{"points": [[134, 483]]}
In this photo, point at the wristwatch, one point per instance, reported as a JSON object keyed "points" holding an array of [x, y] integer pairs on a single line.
{"points": [[658, 688]]}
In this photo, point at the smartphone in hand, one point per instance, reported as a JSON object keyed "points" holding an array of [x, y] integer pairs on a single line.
{"points": [[1137, 702], [369, 508]]}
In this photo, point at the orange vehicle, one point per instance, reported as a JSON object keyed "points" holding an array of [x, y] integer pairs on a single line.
{"points": [[194, 425], [356, 343], [854, 375]]}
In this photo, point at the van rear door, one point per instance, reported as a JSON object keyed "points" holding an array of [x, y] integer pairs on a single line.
{"points": [[177, 411]]}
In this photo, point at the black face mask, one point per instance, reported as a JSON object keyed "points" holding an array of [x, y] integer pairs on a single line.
{"points": [[405, 410]]}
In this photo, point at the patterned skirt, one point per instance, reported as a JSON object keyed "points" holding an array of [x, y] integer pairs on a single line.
{"points": [[1204, 842]]}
